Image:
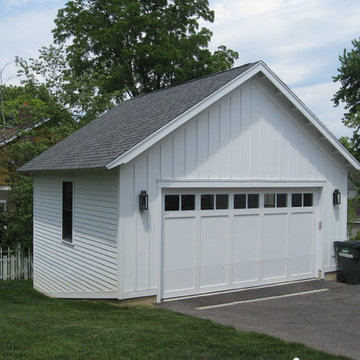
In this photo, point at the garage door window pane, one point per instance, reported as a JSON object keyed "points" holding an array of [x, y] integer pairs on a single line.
{"points": [[207, 202], [222, 201], [269, 200], [171, 202], [240, 201], [296, 200], [308, 199], [187, 202], [281, 200], [253, 201]]}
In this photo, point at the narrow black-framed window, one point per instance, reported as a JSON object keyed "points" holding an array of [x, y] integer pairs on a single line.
{"points": [[67, 210]]}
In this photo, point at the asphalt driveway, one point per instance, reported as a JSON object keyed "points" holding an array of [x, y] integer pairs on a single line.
{"points": [[324, 315]]}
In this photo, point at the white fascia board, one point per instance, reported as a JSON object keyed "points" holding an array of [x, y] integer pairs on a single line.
{"points": [[310, 116], [184, 117]]}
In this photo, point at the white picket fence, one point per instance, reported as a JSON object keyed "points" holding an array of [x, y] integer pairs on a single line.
{"points": [[15, 265]]}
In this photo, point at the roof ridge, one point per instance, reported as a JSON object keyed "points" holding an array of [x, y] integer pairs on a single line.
{"points": [[189, 81]]}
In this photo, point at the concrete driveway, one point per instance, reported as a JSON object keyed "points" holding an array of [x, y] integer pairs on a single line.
{"points": [[324, 315]]}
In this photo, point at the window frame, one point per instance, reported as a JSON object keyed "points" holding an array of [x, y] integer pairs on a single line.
{"points": [[270, 200], [305, 201], [296, 196], [239, 199], [278, 204], [226, 197], [67, 239], [178, 202], [182, 202], [253, 195], [211, 198]]}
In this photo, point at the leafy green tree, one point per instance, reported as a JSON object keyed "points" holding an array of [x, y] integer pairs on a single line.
{"points": [[348, 143], [137, 46], [349, 92], [78, 94], [109, 50], [353, 206], [35, 121], [354, 144]]}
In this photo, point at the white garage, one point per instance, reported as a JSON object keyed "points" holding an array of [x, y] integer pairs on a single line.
{"points": [[223, 239], [224, 182]]}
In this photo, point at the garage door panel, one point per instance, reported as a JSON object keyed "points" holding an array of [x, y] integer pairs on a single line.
{"points": [[245, 256], [301, 244], [179, 253], [273, 246], [237, 243], [214, 244]]}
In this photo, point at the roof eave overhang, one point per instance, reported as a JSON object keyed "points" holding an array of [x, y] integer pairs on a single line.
{"points": [[231, 85]]}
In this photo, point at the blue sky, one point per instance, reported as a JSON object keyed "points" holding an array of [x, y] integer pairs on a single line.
{"points": [[299, 39]]}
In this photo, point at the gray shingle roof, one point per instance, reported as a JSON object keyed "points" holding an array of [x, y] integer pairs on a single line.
{"points": [[117, 131]]}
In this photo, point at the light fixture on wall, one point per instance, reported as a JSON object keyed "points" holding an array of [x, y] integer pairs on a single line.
{"points": [[143, 201], [336, 197]]}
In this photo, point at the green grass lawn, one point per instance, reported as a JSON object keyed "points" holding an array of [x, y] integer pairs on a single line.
{"points": [[33, 326]]}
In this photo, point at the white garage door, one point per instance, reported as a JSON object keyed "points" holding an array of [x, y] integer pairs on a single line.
{"points": [[217, 240]]}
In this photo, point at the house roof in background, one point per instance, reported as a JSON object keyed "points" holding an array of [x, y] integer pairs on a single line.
{"points": [[8, 134], [134, 125]]}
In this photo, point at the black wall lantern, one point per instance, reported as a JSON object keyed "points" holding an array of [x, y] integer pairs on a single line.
{"points": [[143, 201], [336, 197]]}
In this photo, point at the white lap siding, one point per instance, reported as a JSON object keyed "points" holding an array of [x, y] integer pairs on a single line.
{"points": [[88, 266]]}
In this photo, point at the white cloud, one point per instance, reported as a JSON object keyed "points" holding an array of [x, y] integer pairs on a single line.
{"points": [[249, 7], [292, 72], [26, 31], [276, 29], [8, 4], [23, 35]]}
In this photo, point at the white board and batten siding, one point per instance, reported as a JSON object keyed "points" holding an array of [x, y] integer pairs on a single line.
{"points": [[251, 138], [87, 267]]}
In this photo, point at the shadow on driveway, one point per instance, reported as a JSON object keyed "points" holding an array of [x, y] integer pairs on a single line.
{"points": [[321, 314]]}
